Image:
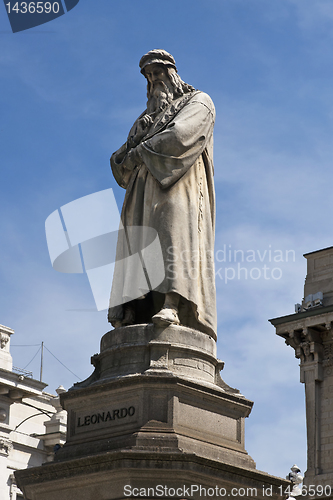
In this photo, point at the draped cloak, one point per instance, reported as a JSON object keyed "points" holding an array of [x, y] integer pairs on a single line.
{"points": [[172, 191]]}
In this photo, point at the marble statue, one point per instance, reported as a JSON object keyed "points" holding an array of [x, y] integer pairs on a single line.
{"points": [[166, 167]]}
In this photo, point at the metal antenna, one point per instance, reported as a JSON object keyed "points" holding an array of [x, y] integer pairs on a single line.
{"points": [[41, 362]]}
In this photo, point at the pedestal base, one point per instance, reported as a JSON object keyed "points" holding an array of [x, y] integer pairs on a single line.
{"points": [[154, 412], [159, 412], [127, 474]]}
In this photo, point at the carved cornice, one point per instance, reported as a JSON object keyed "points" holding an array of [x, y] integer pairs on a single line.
{"points": [[307, 343]]}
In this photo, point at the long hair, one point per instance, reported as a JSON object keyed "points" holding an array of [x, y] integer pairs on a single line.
{"points": [[180, 87]]}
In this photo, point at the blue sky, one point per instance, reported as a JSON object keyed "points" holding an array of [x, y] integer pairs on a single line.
{"points": [[71, 89]]}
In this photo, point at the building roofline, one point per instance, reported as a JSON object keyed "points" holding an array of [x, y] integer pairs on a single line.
{"points": [[292, 317], [316, 251]]}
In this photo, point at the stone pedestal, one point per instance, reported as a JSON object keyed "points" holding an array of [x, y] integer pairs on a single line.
{"points": [[155, 413], [127, 474]]}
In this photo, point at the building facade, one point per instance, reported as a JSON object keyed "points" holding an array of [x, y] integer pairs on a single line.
{"points": [[310, 333], [32, 421]]}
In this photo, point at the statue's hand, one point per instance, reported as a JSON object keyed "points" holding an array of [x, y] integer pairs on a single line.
{"points": [[133, 159], [141, 130], [146, 121]]}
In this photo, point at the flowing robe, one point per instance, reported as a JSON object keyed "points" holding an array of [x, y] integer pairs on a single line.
{"points": [[172, 191]]}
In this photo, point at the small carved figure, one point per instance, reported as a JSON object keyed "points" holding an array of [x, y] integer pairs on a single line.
{"points": [[166, 167], [296, 478]]}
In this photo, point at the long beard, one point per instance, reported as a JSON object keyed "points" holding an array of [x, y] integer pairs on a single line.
{"points": [[159, 98]]}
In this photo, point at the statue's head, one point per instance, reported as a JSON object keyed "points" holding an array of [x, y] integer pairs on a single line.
{"points": [[159, 67], [157, 56]]}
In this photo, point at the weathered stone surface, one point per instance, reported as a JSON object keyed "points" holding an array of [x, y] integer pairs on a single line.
{"points": [[179, 350], [319, 276], [156, 412], [156, 388], [105, 477]]}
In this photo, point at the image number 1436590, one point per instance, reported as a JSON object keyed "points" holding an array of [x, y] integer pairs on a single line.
{"points": [[25, 15], [33, 7]]}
